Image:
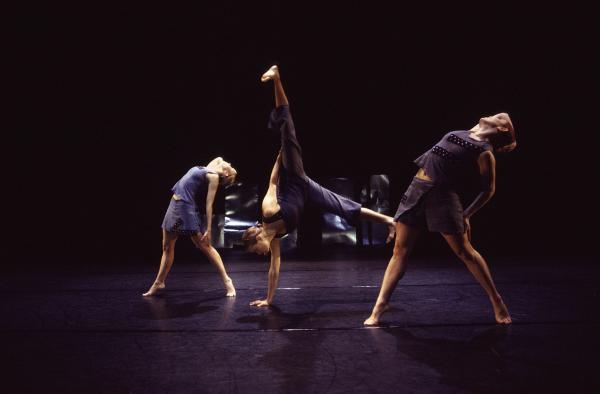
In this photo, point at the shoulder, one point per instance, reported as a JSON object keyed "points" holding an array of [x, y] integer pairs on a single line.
{"points": [[487, 158], [212, 176]]}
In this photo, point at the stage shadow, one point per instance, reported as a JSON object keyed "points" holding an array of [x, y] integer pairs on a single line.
{"points": [[473, 364], [291, 356], [165, 307], [273, 318]]}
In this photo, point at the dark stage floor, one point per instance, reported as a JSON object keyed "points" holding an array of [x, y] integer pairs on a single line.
{"points": [[88, 329]]}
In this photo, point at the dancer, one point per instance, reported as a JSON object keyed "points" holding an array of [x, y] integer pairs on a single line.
{"points": [[431, 201], [184, 217], [289, 189]]}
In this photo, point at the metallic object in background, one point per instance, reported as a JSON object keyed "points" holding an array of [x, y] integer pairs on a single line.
{"points": [[241, 212], [334, 228], [217, 238], [375, 195], [289, 241]]}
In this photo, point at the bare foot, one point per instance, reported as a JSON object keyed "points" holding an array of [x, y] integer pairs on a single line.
{"points": [[272, 73], [229, 287], [378, 310], [155, 289], [391, 231], [501, 313]]}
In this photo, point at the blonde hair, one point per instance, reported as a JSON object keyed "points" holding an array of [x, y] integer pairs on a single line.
{"points": [[227, 180]]}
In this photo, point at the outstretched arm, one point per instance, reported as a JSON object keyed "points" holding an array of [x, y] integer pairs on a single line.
{"points": [[273, 275], [487, 169], [213, 184]]}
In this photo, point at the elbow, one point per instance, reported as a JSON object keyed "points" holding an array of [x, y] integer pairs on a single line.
{"points": [[489, 191]]}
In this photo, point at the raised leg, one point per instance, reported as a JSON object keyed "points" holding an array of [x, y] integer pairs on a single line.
{"points": [[272, 74], [281, 120]]}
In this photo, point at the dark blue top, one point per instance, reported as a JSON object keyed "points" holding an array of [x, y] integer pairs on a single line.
{"points": [[193, 186], [453, 160]]}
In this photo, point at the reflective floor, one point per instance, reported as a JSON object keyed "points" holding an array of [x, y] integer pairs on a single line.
{"points": [[87, 329]]}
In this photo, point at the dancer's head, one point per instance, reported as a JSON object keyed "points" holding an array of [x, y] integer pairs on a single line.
{"points": [[501, 132], [225, 171], [256, 241]]}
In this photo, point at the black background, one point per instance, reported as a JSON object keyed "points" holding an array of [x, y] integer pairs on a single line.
{"points": [[108, 105]]}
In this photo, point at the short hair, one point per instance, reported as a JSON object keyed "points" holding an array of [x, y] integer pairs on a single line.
{"points": [[228, 180], [249, 236]]}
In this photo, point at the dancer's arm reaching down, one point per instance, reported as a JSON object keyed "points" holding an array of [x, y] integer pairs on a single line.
{"points": [[487, 170], [213, 184], [273, 275]]}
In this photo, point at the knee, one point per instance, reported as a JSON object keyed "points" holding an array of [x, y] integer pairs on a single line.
{"points": [[400, 253], [466, 254], [168, 247], [202, 246]]}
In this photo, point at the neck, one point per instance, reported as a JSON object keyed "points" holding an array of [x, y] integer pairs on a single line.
{"points": [[481, 133]]}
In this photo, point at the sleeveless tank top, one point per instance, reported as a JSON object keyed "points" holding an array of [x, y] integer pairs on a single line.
{"points": [[453, 160]]}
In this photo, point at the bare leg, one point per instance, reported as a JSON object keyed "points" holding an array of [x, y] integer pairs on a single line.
{"points": [[406, 237], [476, 264], [273, 74], [166, 262], [367, 214], [215, 260]]}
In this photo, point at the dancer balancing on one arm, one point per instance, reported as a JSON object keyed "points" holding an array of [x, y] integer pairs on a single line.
{"points": [[431, 201], [193, 196], [289, 189]]}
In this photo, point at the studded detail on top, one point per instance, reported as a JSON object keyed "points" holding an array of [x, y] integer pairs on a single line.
{"points": [[453, 159], [465, 144], [438, 150]]}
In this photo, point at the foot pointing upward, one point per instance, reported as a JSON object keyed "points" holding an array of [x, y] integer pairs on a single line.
{"points": [[271, 73]]}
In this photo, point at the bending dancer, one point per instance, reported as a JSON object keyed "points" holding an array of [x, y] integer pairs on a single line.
{"points": [[431, 201], [289, 189], [184, 217]]}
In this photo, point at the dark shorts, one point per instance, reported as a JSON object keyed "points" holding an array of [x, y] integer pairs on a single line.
{"points": [[425, 205], [183, 218]]}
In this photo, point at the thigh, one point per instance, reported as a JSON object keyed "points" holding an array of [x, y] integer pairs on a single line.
{"points": [[444, 212], [406, 237], [411, 209], [168, 237]]}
